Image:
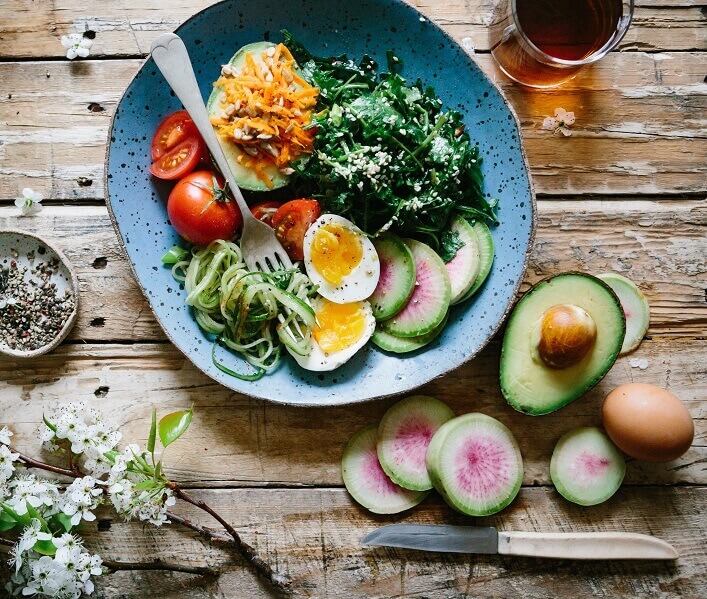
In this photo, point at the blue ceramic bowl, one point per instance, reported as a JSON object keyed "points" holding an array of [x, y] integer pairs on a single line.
{"points": [[138, 202]]}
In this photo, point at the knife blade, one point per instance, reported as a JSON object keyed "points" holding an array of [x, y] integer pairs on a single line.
{"points": [[487, 540]]}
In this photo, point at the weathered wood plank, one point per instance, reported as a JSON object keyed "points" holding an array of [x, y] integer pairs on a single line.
{"points": [[640, 128], [658, 244], [238, 441], [313, 536], [127, 28]]}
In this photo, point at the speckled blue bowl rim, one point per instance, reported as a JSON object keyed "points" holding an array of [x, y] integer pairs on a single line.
{"points": [[325, 403]]}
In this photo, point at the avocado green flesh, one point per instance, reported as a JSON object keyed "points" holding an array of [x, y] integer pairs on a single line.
{"points": [[526, 382], [246, 178]]}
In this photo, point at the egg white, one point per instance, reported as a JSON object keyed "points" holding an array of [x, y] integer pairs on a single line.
{"points": [[319, 361], [361, 282]]}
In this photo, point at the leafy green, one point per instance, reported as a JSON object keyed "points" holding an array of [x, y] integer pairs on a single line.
{"points": [[449, 245], [386, 154], [175, 254], [174, 425]]}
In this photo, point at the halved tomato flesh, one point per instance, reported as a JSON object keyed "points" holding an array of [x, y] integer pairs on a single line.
{"points": [[172, 131], [179, 161]]}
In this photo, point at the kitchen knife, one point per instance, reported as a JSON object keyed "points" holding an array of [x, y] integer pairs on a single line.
{"points": [[486, 539]]}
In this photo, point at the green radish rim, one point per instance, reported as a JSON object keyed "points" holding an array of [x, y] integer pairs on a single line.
{"points": [[433, 292], [586, 467], [404, 433], [464, 268], [367, 482], [404, 345], [397, 263], [466, 441], [486, 250], [635, 307]]}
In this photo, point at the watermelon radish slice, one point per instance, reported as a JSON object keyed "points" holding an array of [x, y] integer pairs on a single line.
{"points": [[404, 433], [429, 301], [475, 464], [635, 307], [397, 276], [463, 269], [486, 258], [404, 345], [366, 481], [586, 467]]}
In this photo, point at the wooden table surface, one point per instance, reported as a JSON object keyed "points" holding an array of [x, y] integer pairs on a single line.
{"points": [[624, 193]]}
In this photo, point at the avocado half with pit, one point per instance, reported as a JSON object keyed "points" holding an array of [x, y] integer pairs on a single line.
{"points": [[560, 341], [245, 177]]}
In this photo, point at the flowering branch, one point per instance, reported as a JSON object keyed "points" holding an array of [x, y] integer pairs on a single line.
{"points": [[48, 560]]}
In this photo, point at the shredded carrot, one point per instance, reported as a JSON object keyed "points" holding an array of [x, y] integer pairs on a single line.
{"points": [[267, 108]]}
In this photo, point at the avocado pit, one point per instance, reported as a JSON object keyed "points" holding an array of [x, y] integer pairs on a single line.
{"points": [[567, 333]]}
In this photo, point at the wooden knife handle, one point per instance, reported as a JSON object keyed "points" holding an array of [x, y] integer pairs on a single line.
{"points": [[585, 545]]}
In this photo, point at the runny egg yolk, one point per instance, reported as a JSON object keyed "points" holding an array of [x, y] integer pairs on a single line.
{"points": [[339, 326], [336, 252]]}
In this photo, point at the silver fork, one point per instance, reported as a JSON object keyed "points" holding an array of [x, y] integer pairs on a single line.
{"points": [[261, 249]]}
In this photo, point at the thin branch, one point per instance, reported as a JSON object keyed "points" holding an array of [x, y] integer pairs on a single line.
{"points": [[157, 565], [6, 542], [32, 463], [247, 551], [204, 533]]}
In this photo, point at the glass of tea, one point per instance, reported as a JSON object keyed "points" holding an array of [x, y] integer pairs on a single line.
{"points": [[543, 43]]}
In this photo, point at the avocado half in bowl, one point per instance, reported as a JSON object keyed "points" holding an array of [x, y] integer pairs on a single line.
{"points": [[561, 340]]}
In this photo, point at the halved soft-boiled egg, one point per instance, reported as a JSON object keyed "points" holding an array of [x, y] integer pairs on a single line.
{"points": [[340, 331], [340, 259]]}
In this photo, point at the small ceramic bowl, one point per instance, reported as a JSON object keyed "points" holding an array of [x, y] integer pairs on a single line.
{"points": [[15, 245]]}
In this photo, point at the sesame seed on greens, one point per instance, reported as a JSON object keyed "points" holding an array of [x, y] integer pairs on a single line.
{"points": [[386, 154]]}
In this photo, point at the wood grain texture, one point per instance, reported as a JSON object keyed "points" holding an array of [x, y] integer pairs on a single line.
{"points": [[641, 126], [238, 441], [127, 27], [660, 245], [313, 536]]}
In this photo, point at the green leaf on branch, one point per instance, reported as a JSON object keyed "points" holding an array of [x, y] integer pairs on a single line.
{"points": [[158, 470], [35, 515], [144, 485], [64, 520], [45, 547], [153, 434], [174, 425], [49, 424], [6, 522], [24, 519]]}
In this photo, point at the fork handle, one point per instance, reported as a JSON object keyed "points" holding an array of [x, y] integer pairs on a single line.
{"points": [[171, 57]]}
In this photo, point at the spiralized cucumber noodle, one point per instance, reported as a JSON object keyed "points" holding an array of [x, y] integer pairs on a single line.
{"points": [[253, 313]]}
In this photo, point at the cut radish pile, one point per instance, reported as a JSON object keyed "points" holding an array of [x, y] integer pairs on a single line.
{"points": [[397, 277], [404, 434], [586, 467], [464, 268], [475, 463], [635, 307], [430, 299], [366, 481]]}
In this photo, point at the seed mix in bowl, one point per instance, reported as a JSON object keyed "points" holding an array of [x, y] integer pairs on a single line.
{"points": [[33, 310]]}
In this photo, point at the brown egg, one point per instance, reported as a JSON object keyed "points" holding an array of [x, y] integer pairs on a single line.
{"points": [[647, 422]]}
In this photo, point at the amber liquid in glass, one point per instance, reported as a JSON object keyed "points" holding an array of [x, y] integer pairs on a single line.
{"points": [[562, 29]]}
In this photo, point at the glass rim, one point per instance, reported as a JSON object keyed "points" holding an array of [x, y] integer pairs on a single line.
{"points": [[610, 44]]}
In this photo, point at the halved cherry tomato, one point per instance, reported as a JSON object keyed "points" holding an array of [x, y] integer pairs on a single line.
{"points": [[265, 211], [291, 222], [201, 211], [179, 161], [172, 131]]}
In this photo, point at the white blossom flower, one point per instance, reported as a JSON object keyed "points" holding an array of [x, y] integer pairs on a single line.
{"points": [[80, 499], [560, 122], [30, 202], [28, 489], [5, 434], [7, 459], [31, 535], [76, 44]]}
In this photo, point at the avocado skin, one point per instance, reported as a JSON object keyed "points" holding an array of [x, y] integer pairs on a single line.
{"points": [[514, 394]]}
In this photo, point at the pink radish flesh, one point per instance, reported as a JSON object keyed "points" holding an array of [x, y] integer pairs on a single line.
{"points": [[411, 441], [376, 479], [483, 467], [592, 464]]}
